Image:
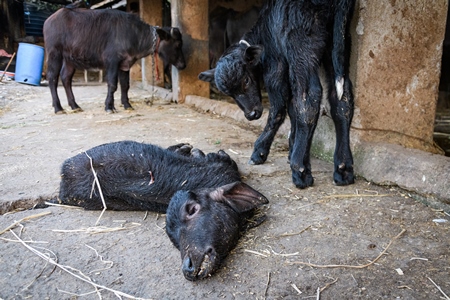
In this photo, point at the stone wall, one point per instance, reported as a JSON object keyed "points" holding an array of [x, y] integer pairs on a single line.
{"points": [[396, 62], [395, 69]]}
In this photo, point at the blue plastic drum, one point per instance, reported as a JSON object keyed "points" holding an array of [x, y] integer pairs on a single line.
{"points": [[29, 64]]}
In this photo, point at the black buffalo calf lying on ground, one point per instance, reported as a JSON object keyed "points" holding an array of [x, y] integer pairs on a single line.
{"points": [[207, 205], [285, 49], [77, 38]]}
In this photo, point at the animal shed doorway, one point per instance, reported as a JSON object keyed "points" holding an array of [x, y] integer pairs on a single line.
{"points": [[442, 123]]}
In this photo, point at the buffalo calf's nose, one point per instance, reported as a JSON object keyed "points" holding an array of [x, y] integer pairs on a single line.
{"points": [[188, 268], [254, 115]]}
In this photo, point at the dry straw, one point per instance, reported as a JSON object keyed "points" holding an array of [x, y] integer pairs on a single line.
{"points": [[71, 270]]}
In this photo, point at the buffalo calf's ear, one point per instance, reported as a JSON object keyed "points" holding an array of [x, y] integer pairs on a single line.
{"points": [[207, 76], [253, 54], [175, 33], [239, 196], [163, 35], [191, 210]]}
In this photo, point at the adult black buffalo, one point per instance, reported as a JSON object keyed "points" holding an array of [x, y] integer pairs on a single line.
{"points": [[77, 38]]}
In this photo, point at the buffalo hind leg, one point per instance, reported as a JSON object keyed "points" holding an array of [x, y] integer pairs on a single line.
{"points": [[54, 64], [342, 114], [67, 72], [305, 109], [341, 95], [124, 80]]}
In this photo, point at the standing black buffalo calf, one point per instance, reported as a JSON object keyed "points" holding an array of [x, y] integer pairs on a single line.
{"points": [[287, 45], [207, 204], [77, 38]]}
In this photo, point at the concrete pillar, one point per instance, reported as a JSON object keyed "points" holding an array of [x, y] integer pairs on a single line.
{"points": [[396, 62], [191, 17], [151, 13]]}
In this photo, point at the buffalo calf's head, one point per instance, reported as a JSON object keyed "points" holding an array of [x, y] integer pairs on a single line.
{"points": [[171, 47], [205, 224], [238, 74]]}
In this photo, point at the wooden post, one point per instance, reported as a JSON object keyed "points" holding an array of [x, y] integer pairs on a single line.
{"points": [[191, 17], [151, 13]]}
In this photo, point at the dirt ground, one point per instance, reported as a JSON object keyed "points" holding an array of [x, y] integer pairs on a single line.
{"points": [[364, 241]]}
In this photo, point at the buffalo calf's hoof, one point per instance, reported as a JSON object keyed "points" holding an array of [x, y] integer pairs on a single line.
{"points": [[343, 175], [110, 111], [77, 109], [257, 158], [302, 179]]}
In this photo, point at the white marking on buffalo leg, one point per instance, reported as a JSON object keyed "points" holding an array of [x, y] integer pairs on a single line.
{"points": [[340, 87]]}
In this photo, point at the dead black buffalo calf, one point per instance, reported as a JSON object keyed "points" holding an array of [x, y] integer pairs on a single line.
{"points": [[207, 205], [285, 49], [77, 38]]}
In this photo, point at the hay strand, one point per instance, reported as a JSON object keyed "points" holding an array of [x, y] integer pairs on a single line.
{"points": [[356, 195], [62, 205], [99, 229], [296, 288], [78, 295], [255, 252], [439, 288], [294, 233], [328, 284], [24, 219], [99, 189], [108, 262], [68, 269]]}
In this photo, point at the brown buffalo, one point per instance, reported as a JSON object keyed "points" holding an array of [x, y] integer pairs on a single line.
{"points": [[77, 38]]}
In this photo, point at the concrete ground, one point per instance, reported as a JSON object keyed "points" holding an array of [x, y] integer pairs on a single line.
{"points": [[360, 241]]}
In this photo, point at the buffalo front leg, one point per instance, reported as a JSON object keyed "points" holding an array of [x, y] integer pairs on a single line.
{"points": [[112, 79], [278, 91], [261, 148], [124, 79]]}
